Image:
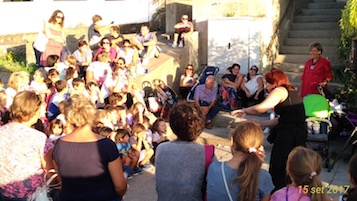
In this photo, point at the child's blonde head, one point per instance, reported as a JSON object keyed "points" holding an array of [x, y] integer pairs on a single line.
{"points": [[304, 167]]}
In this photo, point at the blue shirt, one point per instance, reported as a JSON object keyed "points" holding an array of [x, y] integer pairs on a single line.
{"points": [[215, 185], [200, 93], [123, 149]]}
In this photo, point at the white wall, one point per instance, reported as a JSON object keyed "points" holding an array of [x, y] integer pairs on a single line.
{"points": [[23, 17]]}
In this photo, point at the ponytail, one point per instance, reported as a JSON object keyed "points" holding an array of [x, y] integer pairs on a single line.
{"points": [[248, 175]]}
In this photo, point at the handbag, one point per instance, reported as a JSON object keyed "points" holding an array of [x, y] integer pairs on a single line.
{"points": [[41, 193], [40, 42]]}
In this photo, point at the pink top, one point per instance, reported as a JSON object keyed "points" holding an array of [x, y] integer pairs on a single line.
{"points": [[292, 193], [22, 149]]}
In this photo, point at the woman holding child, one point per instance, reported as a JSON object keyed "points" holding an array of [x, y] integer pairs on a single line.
{"points": [[228, 91], [54, 32], [94, 176]]}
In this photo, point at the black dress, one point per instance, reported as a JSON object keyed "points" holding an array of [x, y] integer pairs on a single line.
{"points": [[290, 132]]}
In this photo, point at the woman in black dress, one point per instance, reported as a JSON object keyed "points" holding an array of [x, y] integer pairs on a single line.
{"points": [[289, 127]]}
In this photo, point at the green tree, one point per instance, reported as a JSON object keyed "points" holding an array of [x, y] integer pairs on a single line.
{"points": [[343, 72]]}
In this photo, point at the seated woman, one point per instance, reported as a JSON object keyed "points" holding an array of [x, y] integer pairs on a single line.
{"points": [[131, 57], [187, 80], [252, 87], [105, 46], [228, 91]]}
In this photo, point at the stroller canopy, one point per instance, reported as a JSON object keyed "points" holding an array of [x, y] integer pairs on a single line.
{"points": [[317, 105]]}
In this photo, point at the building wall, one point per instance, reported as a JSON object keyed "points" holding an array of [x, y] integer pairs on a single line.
{"points": [[25, 17], [271, 12]]}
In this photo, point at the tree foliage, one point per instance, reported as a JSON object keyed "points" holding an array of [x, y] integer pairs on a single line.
{"points": [[343, 72]]}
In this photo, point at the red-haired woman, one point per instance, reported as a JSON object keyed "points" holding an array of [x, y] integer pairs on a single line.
{"points": [[289, 127], [54, 32]]}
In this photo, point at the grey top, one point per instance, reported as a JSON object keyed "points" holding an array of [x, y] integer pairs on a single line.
{"points": [[180, 171], [215, 184]]}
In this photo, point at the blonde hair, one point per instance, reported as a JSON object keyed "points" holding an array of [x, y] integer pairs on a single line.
{"points": [[80, 111], [245, 136], [14, 81], [25, 106], [71, 59], [101, 114], [304, 167]]}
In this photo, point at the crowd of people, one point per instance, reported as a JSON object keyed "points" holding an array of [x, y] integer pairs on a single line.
{"points": [[83, 117]]}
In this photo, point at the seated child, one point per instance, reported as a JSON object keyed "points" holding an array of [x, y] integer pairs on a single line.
{"points": [[103, 119], [112, 115], [129, 158], [159, 132], [56, 130], [53, 110], [70, 61], [146, 123], [104, 131], [51, 62], [121, 122], [79, 87], [71, 73], [139, 143], [94, 94]]}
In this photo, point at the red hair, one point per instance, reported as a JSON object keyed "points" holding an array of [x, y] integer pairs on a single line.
{"points": [[279, 78]]}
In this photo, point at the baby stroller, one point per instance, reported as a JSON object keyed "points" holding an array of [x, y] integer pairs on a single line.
{"points": [[209, 70], [318, 111], [161, 99]]}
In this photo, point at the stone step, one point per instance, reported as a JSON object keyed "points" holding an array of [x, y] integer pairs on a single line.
{"points": [[308, 41], [288, 49], [318, 18], [315, 26], [326, 5], [292, 58], [302, 58], [315, 34], [312, 12]]}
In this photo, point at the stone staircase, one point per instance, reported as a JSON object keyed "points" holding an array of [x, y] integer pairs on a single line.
{"points": [[319, 22]]}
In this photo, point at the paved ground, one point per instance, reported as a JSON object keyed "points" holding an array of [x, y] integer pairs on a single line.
{"points": [[143, 187]]}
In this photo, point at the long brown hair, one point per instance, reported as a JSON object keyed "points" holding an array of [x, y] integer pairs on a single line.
{"points": [[53, 17], [246, 136], [304, 167]]}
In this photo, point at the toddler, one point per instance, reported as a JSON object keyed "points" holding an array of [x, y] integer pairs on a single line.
{"points": [[129, 158], [56, 130], [159, 132]]}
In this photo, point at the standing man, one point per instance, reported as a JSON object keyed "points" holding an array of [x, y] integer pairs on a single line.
{"points": [[181, 29], [206, 96]]}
